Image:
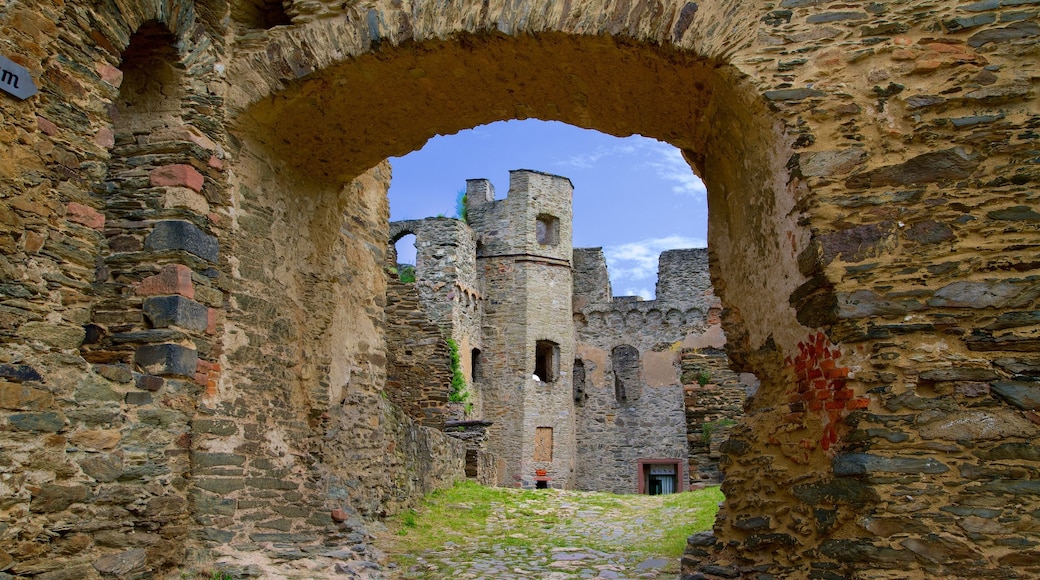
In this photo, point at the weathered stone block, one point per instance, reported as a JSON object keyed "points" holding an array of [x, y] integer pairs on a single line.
{"points": [[55, 498], [182, 235], [122, 563], [172, 279], [865, 464], [102, 467], [88, 216], [19, 373], [1022, 394], [164, 311], [56, 335], [837, 490], [177, 176], [48, 422], [167, 359], [939, 166], [214, 426], [21, 397]]}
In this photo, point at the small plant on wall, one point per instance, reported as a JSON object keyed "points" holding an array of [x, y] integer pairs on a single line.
{"points": [[708, 429], [703, 378], [459, 392]]}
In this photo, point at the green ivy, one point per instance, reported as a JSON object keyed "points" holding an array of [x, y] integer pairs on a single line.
{"points": [[459, 392]]}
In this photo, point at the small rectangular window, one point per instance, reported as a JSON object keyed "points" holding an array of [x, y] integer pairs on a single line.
{"points": [[543, 444], [546, 361], [547, 230]]}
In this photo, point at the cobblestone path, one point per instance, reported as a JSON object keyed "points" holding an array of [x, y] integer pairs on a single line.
{"points": [[563, 535]]}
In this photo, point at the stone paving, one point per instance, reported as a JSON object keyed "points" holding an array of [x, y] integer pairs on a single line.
{"points": [[563, 537]]}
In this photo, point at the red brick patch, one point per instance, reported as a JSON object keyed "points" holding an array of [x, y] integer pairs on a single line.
{"points": [[820, 385]]}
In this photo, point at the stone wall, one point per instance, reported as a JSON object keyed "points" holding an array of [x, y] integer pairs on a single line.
{"points": [[714, 399], [418, 361], [620, 424], [872, 191]]}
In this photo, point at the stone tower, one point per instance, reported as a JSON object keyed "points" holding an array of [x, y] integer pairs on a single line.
{"points": [[524, 257]]}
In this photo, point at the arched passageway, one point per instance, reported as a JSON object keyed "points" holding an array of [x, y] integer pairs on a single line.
{"points": [[876, 281]]}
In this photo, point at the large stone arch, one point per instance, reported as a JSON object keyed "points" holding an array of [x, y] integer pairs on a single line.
{"points": [[872, 228]]}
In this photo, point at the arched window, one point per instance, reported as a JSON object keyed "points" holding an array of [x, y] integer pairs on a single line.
{"points": [[475, 365]]}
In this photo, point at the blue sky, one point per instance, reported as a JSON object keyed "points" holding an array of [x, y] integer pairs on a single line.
{"points": [[634, 197]]}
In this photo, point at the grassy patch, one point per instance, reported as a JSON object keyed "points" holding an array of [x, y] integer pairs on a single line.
{"points": [[475, 519]]}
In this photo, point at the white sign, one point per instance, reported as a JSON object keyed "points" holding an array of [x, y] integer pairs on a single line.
{"points": [[15, 79], [665, 469]]}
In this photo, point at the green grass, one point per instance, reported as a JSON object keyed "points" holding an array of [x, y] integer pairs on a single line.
{"points": [[479, 518]]}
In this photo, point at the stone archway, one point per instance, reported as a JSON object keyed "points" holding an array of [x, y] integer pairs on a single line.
{"points": [[872, 228]]}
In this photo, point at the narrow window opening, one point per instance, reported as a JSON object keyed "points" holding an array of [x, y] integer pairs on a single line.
{"points": [[627, 386], [546, 361], [403, 257], [578, 379], [541, 484], [547, 230], [475, 365]]}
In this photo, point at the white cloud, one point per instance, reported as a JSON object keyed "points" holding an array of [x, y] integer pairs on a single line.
{"points": [[670, 166], [628, 147], [643, 292], [637, 261]]}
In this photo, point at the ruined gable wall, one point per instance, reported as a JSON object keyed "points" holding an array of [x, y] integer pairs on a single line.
{"points": [[613, 435]]}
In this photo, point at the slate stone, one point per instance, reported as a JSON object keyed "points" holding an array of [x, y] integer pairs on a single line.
{"points": [[164, 311], [752, 523], [55, 498], [182, 235], [118, 373], [929, 232], [19, 373], [962, 122], [940, 548], [793, 94], [56, 335], [167, 359], [833, 162], [984, 294], [823, 17], [777, 17], [203, 459], [138, 398], [922, 101], [966, 511], [149, 382], [103, 467], [214, 426], [980, 6], [866, 464], [759, 541], [857, 243], [122, 563], [959, 374], [838, 490], [48, 422], [221, 486], [284, 538], [939, 166], [1010, 32], [1014, 319], [1016, 213], [863, 551], [22, 397], [1012, 451], [966, 22], [1022, 394]]}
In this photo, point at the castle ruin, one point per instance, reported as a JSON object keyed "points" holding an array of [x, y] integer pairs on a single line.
{"points": [[582, 389], [193, 228]]}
